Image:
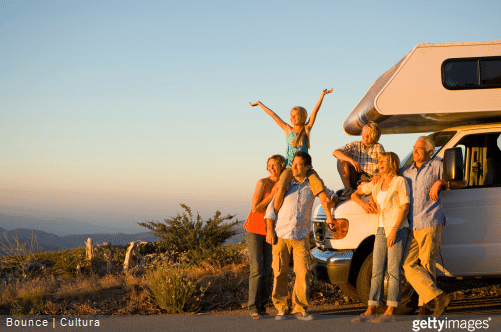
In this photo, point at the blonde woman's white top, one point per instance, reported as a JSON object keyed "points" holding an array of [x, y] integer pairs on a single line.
{"points": [[397, 194]]}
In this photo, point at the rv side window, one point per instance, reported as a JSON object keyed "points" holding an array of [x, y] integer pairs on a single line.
{"points": [[472, 73], [482, 157], [490, 72]]}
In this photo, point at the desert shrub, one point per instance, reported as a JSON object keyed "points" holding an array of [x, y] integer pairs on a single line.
{"points": [[63, 262], [174, 289], [190, 239], [217, 257]]}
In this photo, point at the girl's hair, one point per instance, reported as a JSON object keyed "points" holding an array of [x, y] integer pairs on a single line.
{"points": [[376, 131], [302, 135], [279, 159], [393, 161]]}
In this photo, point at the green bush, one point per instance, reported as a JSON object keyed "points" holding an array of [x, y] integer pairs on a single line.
{"points": [[184, 237], [174, 290]]}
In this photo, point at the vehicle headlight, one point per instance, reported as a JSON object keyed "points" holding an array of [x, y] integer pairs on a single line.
{"points": [[322, 232], [340, 229]]}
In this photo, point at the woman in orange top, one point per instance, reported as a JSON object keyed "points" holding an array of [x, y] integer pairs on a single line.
{"points": [[260, 257]]}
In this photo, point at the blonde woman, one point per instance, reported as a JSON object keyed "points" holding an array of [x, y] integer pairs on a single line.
{"points": [[390, 200]]}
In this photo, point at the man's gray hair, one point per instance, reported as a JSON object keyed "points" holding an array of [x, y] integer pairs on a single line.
{"points": [[430, 145]]}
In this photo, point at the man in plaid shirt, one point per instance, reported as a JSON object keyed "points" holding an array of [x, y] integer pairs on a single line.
{"points": [[357, 161]]}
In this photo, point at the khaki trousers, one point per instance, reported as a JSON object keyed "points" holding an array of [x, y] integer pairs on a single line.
{"points": [[420, 265], [282, 251]]}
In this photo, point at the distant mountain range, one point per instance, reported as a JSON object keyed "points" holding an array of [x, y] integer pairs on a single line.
{"points": [[51, 242], [69, 232], [29, 229], [64, 226]]}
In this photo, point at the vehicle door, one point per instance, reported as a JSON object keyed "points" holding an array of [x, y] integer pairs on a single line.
{"points": [[471, 241]]}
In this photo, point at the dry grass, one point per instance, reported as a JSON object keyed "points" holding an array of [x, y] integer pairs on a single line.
{"points": [[226, 288], [112, 294], [24, 297], [57, 289]]}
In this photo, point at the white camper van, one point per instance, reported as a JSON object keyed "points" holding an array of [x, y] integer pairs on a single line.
{"points": [[453, 90]]}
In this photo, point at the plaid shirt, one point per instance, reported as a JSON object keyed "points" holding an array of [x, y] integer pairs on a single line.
{"points": [[365, 155]]}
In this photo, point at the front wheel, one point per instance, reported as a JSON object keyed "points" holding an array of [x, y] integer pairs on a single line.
{"points": [[409, 297]]}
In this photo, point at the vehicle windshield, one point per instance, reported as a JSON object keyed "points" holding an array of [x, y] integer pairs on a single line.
{"points": [[440, 138]]}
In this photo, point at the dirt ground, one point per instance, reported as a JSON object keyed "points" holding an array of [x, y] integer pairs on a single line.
{"points": [[469, 296]]}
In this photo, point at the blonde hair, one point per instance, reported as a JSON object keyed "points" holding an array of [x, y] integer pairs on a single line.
{"points": [[302, 135], [393, 161], [279, 159], [376, 131]]}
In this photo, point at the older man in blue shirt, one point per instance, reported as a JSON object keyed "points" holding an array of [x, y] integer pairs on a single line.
{"points": [[426, 221], [292, 226]]}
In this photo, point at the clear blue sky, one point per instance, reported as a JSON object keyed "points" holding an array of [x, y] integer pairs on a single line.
{"points": [[115, 112]]}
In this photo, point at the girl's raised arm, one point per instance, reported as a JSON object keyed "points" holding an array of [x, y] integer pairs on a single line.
{"points": [[285, 127], [313, 115]]}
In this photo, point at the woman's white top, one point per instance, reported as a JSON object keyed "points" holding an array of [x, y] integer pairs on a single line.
{"points": [[381, 195], [398, 193]]}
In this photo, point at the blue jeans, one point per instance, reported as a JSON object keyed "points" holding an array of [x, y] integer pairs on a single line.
{"points": [[261, 273], [387, 258]]}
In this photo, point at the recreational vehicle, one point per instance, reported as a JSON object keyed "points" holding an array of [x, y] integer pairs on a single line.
{"points": [[453, 90]]}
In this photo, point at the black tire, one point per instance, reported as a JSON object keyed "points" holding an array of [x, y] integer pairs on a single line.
{"points": [[409, 302], [350, 291]]}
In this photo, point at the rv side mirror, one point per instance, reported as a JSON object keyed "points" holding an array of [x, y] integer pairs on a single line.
{"points": [[453, 165]]}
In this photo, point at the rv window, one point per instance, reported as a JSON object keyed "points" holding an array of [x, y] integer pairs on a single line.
{"points": [[472, 73], [490, 72], [482, 158], [461, 74]]}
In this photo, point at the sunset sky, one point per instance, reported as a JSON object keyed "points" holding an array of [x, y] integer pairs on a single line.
{"points": [[115, 112]]}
